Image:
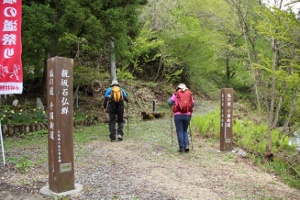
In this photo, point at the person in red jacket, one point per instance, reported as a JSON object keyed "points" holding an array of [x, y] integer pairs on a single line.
{"points": [[182, 114]]}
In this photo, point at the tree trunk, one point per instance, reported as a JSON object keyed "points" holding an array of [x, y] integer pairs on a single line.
{"points": [[227, 71], [276, 118], [291, 110], [272, 96], [113, 72]]}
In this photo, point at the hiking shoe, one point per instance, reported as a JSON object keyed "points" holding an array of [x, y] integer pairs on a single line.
{"points": [[120, 137], [181, 150], [187, 148]]}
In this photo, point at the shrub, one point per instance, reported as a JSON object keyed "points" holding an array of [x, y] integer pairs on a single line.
{"points": [[10, 115]]}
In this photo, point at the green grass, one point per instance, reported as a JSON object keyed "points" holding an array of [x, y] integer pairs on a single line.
{"points": [[155, 131], [85, 135]]}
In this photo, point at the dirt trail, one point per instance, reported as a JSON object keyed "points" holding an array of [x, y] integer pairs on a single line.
{"points": [[132, 169], [139, 168], [204, 173]]}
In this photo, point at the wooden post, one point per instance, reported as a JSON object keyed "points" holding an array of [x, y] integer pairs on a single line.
{"points": [[60, 124], [226, 119]]}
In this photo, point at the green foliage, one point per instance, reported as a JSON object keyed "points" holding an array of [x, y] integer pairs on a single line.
{"points": [[208, 125], [279, 68], [296, 115], [84, 76], [143, 55], [253, 136], [61, 198], [290, 174], [76, 29], [37, 30], [78, 116], [124, 74], [39, 115], [229, 157], [36, 134], [11, 115], [246, 133], [27, 117], [16, 117], [254, 139], [22, 164]]}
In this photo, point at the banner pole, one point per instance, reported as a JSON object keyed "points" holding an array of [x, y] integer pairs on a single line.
{"points": [[2, 144]]}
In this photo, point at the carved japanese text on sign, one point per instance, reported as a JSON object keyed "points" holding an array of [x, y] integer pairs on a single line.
{"points": [[63, 107], [226, 119]]}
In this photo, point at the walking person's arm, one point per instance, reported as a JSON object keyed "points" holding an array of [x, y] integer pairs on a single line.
{"points": [[125, 95], [106, 99]]}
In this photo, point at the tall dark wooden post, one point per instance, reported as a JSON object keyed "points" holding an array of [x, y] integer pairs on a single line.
{"points": [[226, 119], [60, 124]]}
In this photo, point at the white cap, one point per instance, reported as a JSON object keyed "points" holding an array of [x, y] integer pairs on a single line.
{"points": [[114, 82], [182, 86]]}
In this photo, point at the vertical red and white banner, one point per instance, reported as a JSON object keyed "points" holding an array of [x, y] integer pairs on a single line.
{"points": [[11, 72]]}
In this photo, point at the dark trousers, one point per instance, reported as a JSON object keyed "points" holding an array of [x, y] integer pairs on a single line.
{"points": [[182, 123], [116, 113]]}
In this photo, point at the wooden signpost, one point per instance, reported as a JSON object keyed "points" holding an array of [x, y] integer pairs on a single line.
{"points": [[226, 119], [60, 124]]}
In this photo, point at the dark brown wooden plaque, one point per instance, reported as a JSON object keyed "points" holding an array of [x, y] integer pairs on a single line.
{"points": [[226, 119], [60, 124]]}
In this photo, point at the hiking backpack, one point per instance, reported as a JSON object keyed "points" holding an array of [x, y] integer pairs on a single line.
{"points": [[185, 102], [116, 94]]}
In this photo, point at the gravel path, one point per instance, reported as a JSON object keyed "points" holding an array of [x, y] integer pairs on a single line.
{"points": [[128, 171]]}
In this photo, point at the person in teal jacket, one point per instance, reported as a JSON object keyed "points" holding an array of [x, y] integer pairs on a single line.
{"points": [[115, 111]]}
